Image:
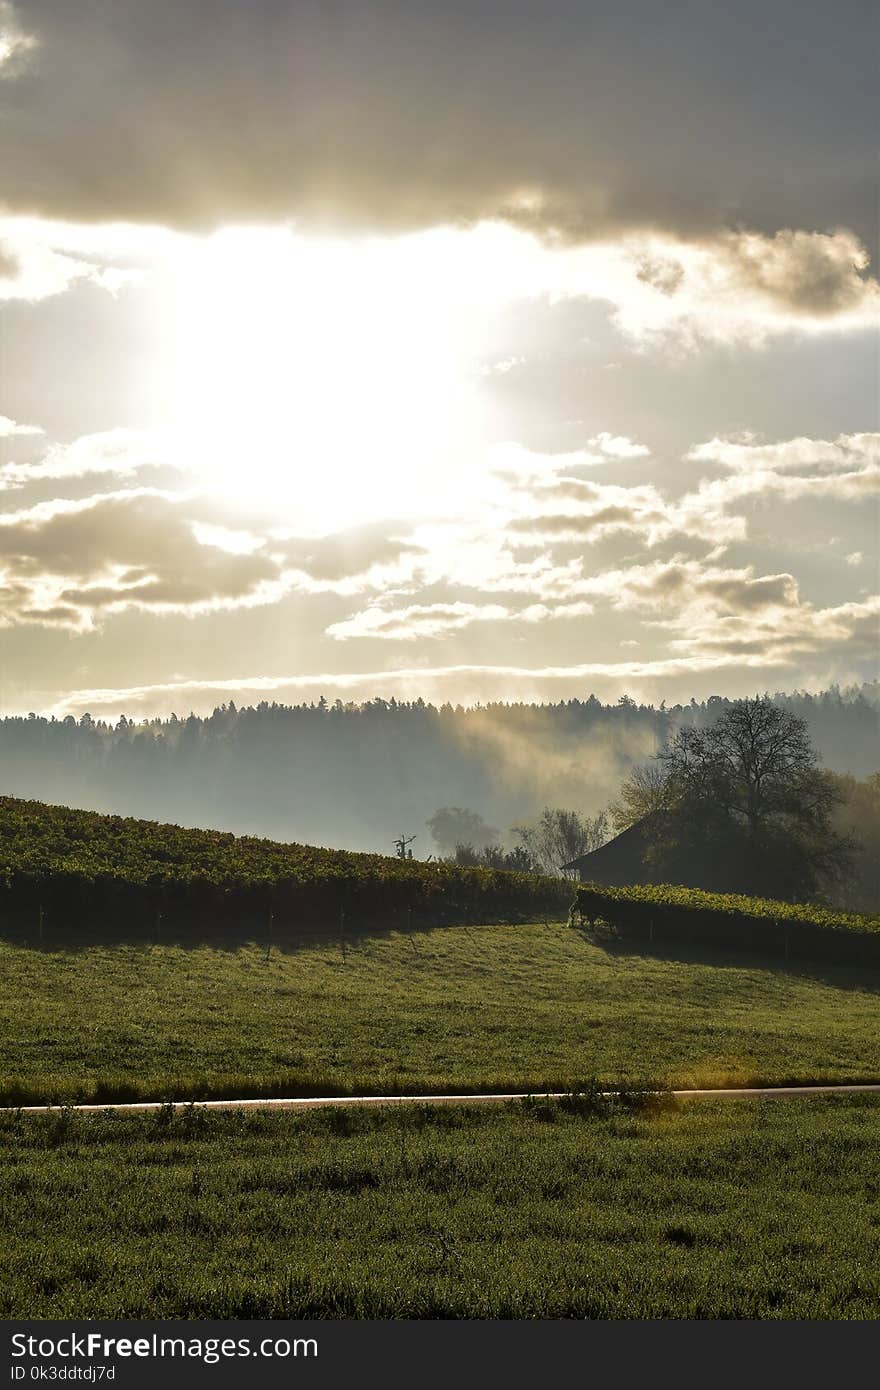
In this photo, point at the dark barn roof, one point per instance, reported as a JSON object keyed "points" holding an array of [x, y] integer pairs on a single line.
{"points": [[618, 862]]}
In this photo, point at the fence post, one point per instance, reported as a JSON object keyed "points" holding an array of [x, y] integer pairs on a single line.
{"points": [[342, 933], [409, 929], [40, 926], [269, 943]]}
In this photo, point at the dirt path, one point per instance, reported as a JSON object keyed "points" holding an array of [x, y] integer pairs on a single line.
{"points": [[321, 1102]]}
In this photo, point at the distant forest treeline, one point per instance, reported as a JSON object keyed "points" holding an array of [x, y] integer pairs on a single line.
{"points": [[356, 776]]}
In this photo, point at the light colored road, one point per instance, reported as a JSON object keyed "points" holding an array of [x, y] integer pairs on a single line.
{"points": [[321, 1102]]}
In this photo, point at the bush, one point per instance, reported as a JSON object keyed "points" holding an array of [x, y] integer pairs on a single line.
{"points": [[664, 911]]}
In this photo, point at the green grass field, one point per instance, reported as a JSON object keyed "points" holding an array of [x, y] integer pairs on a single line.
{"points": [[437, 1011], [744, 1209]]}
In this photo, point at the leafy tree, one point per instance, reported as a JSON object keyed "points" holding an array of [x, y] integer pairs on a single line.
{"points": [[645, 792], [740, 803], [560, 836]]}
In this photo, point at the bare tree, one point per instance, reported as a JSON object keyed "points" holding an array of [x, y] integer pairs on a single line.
{"points": [[560, 836]]}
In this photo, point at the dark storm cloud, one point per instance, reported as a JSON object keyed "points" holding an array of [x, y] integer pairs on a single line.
{"points": [[385, 113]]}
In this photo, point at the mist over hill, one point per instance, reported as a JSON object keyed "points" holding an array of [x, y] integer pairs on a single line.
{"points": [[357, 775]]}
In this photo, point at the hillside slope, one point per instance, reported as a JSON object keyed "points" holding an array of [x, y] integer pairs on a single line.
{"points": [[64, 867]]}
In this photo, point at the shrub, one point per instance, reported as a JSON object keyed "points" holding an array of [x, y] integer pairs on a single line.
{"points": [[665, 911]]}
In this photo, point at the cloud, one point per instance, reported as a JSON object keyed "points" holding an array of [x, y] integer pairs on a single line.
{"points": [[120, 453], [416, 621], [504, 564], [536, 499], [9, 429], [740, 287], [687, 588], [583, 526], [787, 634], [69, 564], [732, 288], [811, 273], [663, 273], [406, 113], [711, 618], [680, 594], [514, 464], [543, 503], [377, 555], [617, 446], [845, 469], [34, 267], [16, 44], [676, 592], [432, 620], [534, 502], [842, 487], [708, 611], [744, 455], [502, 366], [577, 510]]}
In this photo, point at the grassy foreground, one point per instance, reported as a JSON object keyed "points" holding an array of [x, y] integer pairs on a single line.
{"points": [[488, 1008], [743, 1209]]}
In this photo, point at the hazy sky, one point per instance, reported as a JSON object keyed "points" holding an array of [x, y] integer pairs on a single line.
{"points": [[470, 350]]}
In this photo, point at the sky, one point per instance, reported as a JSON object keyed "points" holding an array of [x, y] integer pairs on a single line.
{"points": [[467, 351]]}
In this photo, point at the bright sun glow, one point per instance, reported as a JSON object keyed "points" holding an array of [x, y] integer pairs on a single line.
{"points": [[333, 381]]}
